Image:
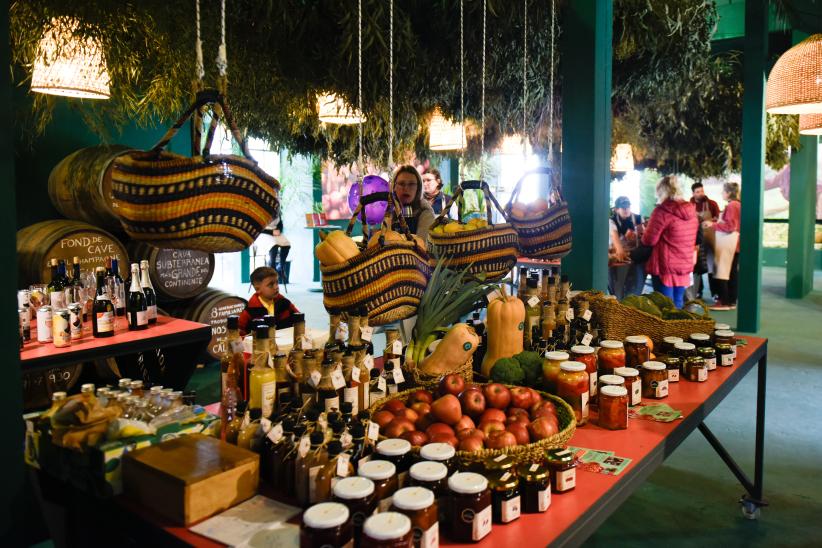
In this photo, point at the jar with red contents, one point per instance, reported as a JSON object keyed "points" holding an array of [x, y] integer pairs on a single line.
{"points": [[611, 355], [613, 408], [572, 386], [550, 368], [587, 355], [637, 350]]}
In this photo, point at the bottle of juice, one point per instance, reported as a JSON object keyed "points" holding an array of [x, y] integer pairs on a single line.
{"points": [[263, 379]]}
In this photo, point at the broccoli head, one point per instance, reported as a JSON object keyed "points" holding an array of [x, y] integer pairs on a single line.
{"points": [[507, 371], [531, 363]]}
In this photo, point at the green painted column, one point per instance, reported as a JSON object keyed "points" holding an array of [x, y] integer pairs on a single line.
{"points": [[586, 53], [317, 195], [753, 165], [802, 219]]}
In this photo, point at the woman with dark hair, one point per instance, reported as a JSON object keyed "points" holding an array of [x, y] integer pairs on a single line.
{"points": [[432, 190], [726, 249], [407, 185], [278, 253]]}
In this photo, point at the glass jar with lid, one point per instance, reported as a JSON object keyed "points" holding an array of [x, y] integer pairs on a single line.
{"points": [[725, 355], [685, 350], [587, 355], [563, 470], [499, 464], [535, 488], [721, 326], [326, 524], [613, 408], [726, 336], [420, 506], [609, 380], [611, 354], [668, 344], [695, 369], [398, 452], [700, 340], [384, 476], [655, 380], [440, 452], [637, 350], [550, 368], [632, 383], [357, 494], [387, 530], [708, 353], [506, 501], [434, 477], [674, 366], [469, 507], [572, 386]]}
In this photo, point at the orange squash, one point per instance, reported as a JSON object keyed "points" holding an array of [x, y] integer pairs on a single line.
{"points": [[336, 247], [505, 324]]}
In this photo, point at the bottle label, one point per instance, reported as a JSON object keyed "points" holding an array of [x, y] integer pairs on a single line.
{"points": [[727, 360], [584, 401], [352, 395], [152, 312], [375, 396], [305, 445], [312, 483], [702, 374], [544, 499], [569, 314], [342, 465], [315, 378], [533, 301], [673, 375], [355, 374], [481, 522], [367, 333], [342, 332], [510, 509], [368, 361], [711, 363], [592, 386], [105, 321], [636, 393], [566, 480], [661, 389], [396, 347], [337, 379], [429, 538], [587, 315], [331, 403], [346, 440], [142, 317], [381, 384], [586, 339], [373, 431], [399, 378], [58, 299], [276, 433], [269, 391]]}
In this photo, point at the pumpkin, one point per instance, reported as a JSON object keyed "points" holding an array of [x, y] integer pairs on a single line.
{"points": [[504, 325], [456, 347], [335, 248], [390, 236]]}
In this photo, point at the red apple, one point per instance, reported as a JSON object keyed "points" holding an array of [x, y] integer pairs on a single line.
{"points": [[543, 409], [492, 415], [422, 408], [450, 439], [447, 409], [472, 402], [491, 426], [415, 437], [452, 384], [463, 423], [535, 396], [542, 428], [471, 444], [397, 427], [520, 431], [517, 411], [383, 417], [518, 419], [497, 395], [425, 421], [439, 428], [409, 414], [501, 439], [469, 432], [520, 397], [420, 396], [394, 406]]}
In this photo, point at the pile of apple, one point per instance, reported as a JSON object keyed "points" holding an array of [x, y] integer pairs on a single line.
{"points": [[471, 417]]}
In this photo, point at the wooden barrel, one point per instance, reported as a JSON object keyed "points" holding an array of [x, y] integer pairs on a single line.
{"points": [[212, 307], [62, 239], [38, 386], [175, 273], [80, 185]]}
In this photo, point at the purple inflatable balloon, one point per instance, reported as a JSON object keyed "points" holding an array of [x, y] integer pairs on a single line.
{"points": [[375, 212]]}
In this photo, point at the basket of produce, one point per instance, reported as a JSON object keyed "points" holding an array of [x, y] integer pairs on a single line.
{"points": [[490, 249], [653, 315], [480, 421], [543, 227], [387, 278], [213, 203]]}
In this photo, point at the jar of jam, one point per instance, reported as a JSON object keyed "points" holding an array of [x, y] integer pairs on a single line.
{"points": [[674, 365], [326, 524], [535, 488], [700, 340], [611, 354], [572, 386], [550, 368], [563, 470], [708, 353], [587, 355], [384, 476], [469, 507], [496, 466], [420, 506], [695, 369], [655, 380], [440, 452], [667, 346], [387, 530], [685, 350], [613, 408], [506, 502], [397, 452], [637, 351], [632, 383], [726, 336], [357, 494], [721, 326], [725, 354], [433, 476]]}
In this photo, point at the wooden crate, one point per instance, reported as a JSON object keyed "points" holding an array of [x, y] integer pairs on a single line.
{"points": [[190, 478]]}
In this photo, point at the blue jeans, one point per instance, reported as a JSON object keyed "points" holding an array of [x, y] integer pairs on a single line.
{"points": [[676, 294]]}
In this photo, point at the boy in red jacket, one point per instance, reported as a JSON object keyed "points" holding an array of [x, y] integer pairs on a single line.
{"points": [[266, 300]]}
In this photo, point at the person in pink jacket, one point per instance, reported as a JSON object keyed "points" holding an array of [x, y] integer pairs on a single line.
{"points": [[726, 249], [671, 231]]}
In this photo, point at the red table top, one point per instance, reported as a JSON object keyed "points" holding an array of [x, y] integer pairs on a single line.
{"points": [[637, 443]]}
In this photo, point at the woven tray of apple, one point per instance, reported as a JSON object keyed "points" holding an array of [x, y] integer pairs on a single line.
{"points": [[478, 420]]}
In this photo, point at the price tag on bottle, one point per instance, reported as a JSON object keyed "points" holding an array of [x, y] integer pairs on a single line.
{"points": [[399, 378], [305, 445], [396, 348], [587, 315], [368, 361], [373, 431], [381, 384], [495, 294], [265, 424], [276, 433], [346, 440], [237, 346], [586, 339], [355, 374], [533, 468], [367, 333], [337, 379], [533, 301], [315, 378], [342, 332], [569, 314], [342, 465], [307, 342]]}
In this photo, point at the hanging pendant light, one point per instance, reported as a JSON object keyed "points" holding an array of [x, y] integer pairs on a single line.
{"points": [[795, 83], [810, 124], [444, 134], [69, 65], [333, 109], [623, 158]]}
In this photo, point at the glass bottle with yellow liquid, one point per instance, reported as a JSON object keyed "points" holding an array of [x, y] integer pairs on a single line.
{"points": [[262, 383]]}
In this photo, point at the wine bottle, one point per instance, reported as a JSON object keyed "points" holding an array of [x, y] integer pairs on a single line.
{"points": [[76, 279], [148, 291], [120, 287], [102, 318], [137, 310], [64, 279]]}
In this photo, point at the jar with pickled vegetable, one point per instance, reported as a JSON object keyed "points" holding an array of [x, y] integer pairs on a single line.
{"points": [[608, 380], [535, 488], [674, 366], [613, 408], [725, 355], [611, 354], [550, 368], [563, 470], [667, 346], [632, 383], [572, 386], [700, 340], [587, 355], [655, 380], [708, 354], [637, 350], [695, 369], [726, 336]]}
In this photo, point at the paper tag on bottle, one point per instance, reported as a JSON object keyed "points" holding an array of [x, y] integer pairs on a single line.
{"points": [[533, 468], [368, 361], [586, 339], [636, 393], [398, 376], [373, 431], [481, 525], [673, 375], [429, 538], [544, 498], [342, 465], [495, 294], [276, 433], [702, 374], [337, 379], [237, 346], [587, 315], [355, 374], [505, 476], [346, 440], [533, 301], [661, 389], [342, 332], [510, 510], [584, 399], [569, 314], [315, 378], [396, 348], [593, 384], [367, 333], [381, 384], [307, 342], [500, 458], [305, 445], [566, 480], [265, 424]]}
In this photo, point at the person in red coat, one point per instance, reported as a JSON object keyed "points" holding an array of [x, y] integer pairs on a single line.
{"points": [[266, 300], [671, 231]]}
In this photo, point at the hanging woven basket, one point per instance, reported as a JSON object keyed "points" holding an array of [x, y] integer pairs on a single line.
{"points": [[795, 82]]}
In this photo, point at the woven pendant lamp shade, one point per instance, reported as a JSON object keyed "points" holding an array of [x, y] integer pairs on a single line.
{"points": [[623, 158], [810, 124], [335, 110], [795, 83], [69, 65], [444, 134]]}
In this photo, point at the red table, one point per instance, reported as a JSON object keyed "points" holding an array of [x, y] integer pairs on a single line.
{"points": [[574, 516]]}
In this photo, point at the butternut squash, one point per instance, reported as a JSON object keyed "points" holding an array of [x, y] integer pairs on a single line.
{"points": [[390, 235], [504, 325], [336, 247], [456, 347]]}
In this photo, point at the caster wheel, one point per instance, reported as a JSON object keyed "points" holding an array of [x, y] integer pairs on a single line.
{"points": [[750, 510]]}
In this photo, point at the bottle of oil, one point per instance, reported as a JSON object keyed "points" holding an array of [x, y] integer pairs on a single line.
{"points": [[311, 376], [281, 374], [307, 468], [338, 466], [263, 379], [533, 312]]}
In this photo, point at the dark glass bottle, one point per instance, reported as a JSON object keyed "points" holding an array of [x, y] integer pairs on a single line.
{"points": [[148, 291], [137, 309], [102, 318]]}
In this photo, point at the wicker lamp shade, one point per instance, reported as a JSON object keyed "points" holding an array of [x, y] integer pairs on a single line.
{"points": [[336, 110], [69, 65], [810, 124], [444, 134], [623, 158], [795, 83]]}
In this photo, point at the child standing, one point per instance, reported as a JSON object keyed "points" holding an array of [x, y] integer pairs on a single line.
{"points": [[266, 300]]}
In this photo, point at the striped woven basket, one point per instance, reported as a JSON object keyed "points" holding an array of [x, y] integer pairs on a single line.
{"points": [[214, 203], [548, 235], [490, 250], [387, 279]]}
